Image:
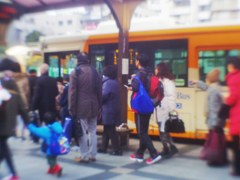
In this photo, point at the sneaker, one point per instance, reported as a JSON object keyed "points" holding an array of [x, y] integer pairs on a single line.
{"points": [[57, 169], [153, 160], [81, 160], [50, 170], [138, 158]]}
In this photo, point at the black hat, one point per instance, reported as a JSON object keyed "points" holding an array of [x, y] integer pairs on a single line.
{"points": [[8, 64], [82, 57]]}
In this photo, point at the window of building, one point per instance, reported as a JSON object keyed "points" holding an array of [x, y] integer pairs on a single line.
{"points": [[60, 23], [69, 22]]}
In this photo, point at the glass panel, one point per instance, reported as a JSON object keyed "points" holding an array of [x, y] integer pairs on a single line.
{"points": [[209, 60], [177, 61], [97, 57], [172, 52], [220, 53], [107, 54], [53, 66], [67, 63], [61, 63], [208, 54], [234, 53]]}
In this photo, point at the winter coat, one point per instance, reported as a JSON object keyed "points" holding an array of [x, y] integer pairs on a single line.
{"points": [[22, 82], [168, 102], [12, 108], [213, 104], [111, 103], [44, 95], [45, 132], [233, 83], [89, 99]]}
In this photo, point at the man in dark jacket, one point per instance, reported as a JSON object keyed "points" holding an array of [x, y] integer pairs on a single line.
{"points": [[142, 120], [85, 94], [45, 93], [32, 82]]}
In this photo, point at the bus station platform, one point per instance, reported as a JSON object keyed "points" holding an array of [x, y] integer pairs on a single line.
{"points": [[31, 165]]}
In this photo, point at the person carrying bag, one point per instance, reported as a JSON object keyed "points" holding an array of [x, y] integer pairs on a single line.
{"points": [[214, 150], [143, 107]]}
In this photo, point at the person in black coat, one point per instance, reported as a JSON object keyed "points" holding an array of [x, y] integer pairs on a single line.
{"points": [[64, 99], [32, 79], [45, 92], [111, 110]]}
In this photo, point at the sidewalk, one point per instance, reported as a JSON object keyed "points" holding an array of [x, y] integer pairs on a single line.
{"points": [[31, 165]]}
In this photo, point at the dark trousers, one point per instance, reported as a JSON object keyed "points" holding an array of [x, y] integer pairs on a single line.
{"points": [[236, 154], [109, 132], [6, 154], [142, 124], [165, 138], [52, 161]]}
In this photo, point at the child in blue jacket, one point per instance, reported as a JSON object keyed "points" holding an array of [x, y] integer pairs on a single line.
{"points": [[45, 132]]}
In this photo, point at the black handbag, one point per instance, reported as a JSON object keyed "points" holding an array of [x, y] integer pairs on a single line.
{"points": [[77, 128], [174, 124]]}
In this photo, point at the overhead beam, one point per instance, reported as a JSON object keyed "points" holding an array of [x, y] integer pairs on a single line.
{"points": [[62, 5]]}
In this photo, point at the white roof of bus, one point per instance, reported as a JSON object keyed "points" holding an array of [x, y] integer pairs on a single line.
{"points": [[143, 24]]}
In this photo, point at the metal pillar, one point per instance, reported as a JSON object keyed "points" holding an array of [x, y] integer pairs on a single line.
{"points": [[122, 11]]}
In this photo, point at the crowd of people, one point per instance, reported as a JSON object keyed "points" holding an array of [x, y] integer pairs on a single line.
{"points": [[86, 98]]}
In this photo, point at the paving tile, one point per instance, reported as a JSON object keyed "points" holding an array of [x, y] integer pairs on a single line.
{"points": [[121, 170], [31, 164], [100, 176], [187, 169]]}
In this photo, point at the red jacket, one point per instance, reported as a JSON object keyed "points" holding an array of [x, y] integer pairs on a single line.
{"points": [[233, 83]]}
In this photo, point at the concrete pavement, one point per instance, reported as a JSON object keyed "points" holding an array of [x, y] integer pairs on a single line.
{"points": [[31, 165]]}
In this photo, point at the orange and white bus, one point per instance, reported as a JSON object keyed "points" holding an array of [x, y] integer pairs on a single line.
{"points": [[190, 52]]}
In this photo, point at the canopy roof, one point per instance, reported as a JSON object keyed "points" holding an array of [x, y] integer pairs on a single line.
{"points": [[10, 9]]}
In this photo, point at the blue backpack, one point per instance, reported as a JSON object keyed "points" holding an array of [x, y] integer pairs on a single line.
{"points": [[59, 144], [141, 101]]}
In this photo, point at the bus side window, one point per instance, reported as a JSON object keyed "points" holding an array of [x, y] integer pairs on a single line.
{"points": [[177, 61], [208, 60]]}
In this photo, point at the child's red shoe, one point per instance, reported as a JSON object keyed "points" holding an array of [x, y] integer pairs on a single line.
{"points": [[57, 170], [50, 170]]}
